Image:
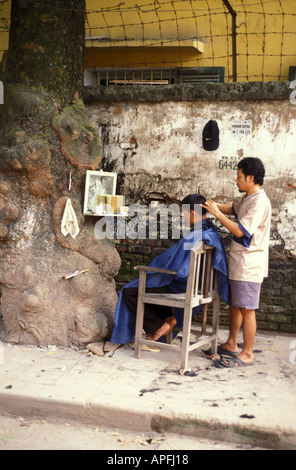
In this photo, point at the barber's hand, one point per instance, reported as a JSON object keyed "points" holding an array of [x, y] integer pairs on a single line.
{"points": [[212, 207]]}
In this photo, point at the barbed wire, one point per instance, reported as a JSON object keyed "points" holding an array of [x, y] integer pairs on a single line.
{"points": [[265, 36]]}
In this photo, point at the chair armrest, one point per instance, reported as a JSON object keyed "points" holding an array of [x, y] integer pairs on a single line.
{"points": [[155, 270]]}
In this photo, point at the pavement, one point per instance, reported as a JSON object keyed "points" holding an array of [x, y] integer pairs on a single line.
{"points": [[253, 405]]}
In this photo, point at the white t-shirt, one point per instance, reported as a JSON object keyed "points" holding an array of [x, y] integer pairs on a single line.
{"points": [[248, 258]]}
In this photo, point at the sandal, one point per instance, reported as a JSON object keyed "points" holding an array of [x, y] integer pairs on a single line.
{"points": [[224, 352], [231, 362], [145, 347]]}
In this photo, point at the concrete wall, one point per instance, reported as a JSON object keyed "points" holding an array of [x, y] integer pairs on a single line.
{"points": [[155, 146]]}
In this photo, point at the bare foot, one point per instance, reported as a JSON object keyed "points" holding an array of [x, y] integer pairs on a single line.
{"points": [[229, 348], [163, 330], [247, 358]]}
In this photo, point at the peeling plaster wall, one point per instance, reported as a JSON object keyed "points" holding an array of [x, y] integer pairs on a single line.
{"points": [[156, 149]]}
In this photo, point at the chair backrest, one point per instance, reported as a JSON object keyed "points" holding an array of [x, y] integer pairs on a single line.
{"points": [[201, 272]]}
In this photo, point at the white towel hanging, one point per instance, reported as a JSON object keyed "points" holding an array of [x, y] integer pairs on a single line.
{"points": [[69, 221]]}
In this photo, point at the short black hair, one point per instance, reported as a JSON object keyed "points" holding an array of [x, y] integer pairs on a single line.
{"points": [[253, 166], [193, 200]]}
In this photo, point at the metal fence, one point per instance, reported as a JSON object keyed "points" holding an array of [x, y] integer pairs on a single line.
{"points": [[247, 39]]}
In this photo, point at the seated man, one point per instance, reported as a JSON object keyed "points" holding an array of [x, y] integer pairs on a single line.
{"points": [[159, 320]]}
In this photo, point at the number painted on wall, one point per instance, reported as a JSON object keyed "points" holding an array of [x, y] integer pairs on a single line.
{"points": [[228, 163]]}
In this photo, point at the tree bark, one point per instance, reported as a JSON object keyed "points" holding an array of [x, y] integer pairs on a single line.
{"points": [[46, 46], [44, 138]]}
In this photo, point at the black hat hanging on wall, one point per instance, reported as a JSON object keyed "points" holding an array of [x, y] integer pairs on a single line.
{"points": [[210, 136]]}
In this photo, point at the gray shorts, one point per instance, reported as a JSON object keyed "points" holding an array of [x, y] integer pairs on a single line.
{"points": [[245, 294]]}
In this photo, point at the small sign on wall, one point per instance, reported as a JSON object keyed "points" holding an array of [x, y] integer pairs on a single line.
{"points": [[241, 127]]}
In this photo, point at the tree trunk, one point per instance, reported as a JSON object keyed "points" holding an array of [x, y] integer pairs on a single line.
{"points": [[44, 139], [46, 46]]}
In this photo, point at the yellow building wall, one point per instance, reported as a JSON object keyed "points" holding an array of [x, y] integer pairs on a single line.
{"points": [[4, 27], [161, 34]]}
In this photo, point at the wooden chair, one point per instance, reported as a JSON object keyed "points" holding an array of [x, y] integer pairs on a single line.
{"points": [[202, 289]]}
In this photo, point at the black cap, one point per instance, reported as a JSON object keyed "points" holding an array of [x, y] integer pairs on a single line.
{"points": [[210, 136]]}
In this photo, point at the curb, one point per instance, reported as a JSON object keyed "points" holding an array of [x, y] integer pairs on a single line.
{"points": [[232, 433], [119, 417]]}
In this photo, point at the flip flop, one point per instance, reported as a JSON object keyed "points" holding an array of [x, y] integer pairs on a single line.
{"points": [[232, 362], [145, 347], [224, 352], [96, 348], [109, 347], [221, 351]]}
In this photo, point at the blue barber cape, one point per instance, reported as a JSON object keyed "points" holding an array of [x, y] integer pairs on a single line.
{"points": [[176, 258]]}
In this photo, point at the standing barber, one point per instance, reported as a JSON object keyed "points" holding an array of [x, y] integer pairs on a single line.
{"points": [[248, 258]]}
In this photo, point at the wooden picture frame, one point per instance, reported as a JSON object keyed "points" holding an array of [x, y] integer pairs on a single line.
{"points": [[97, 182]]}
